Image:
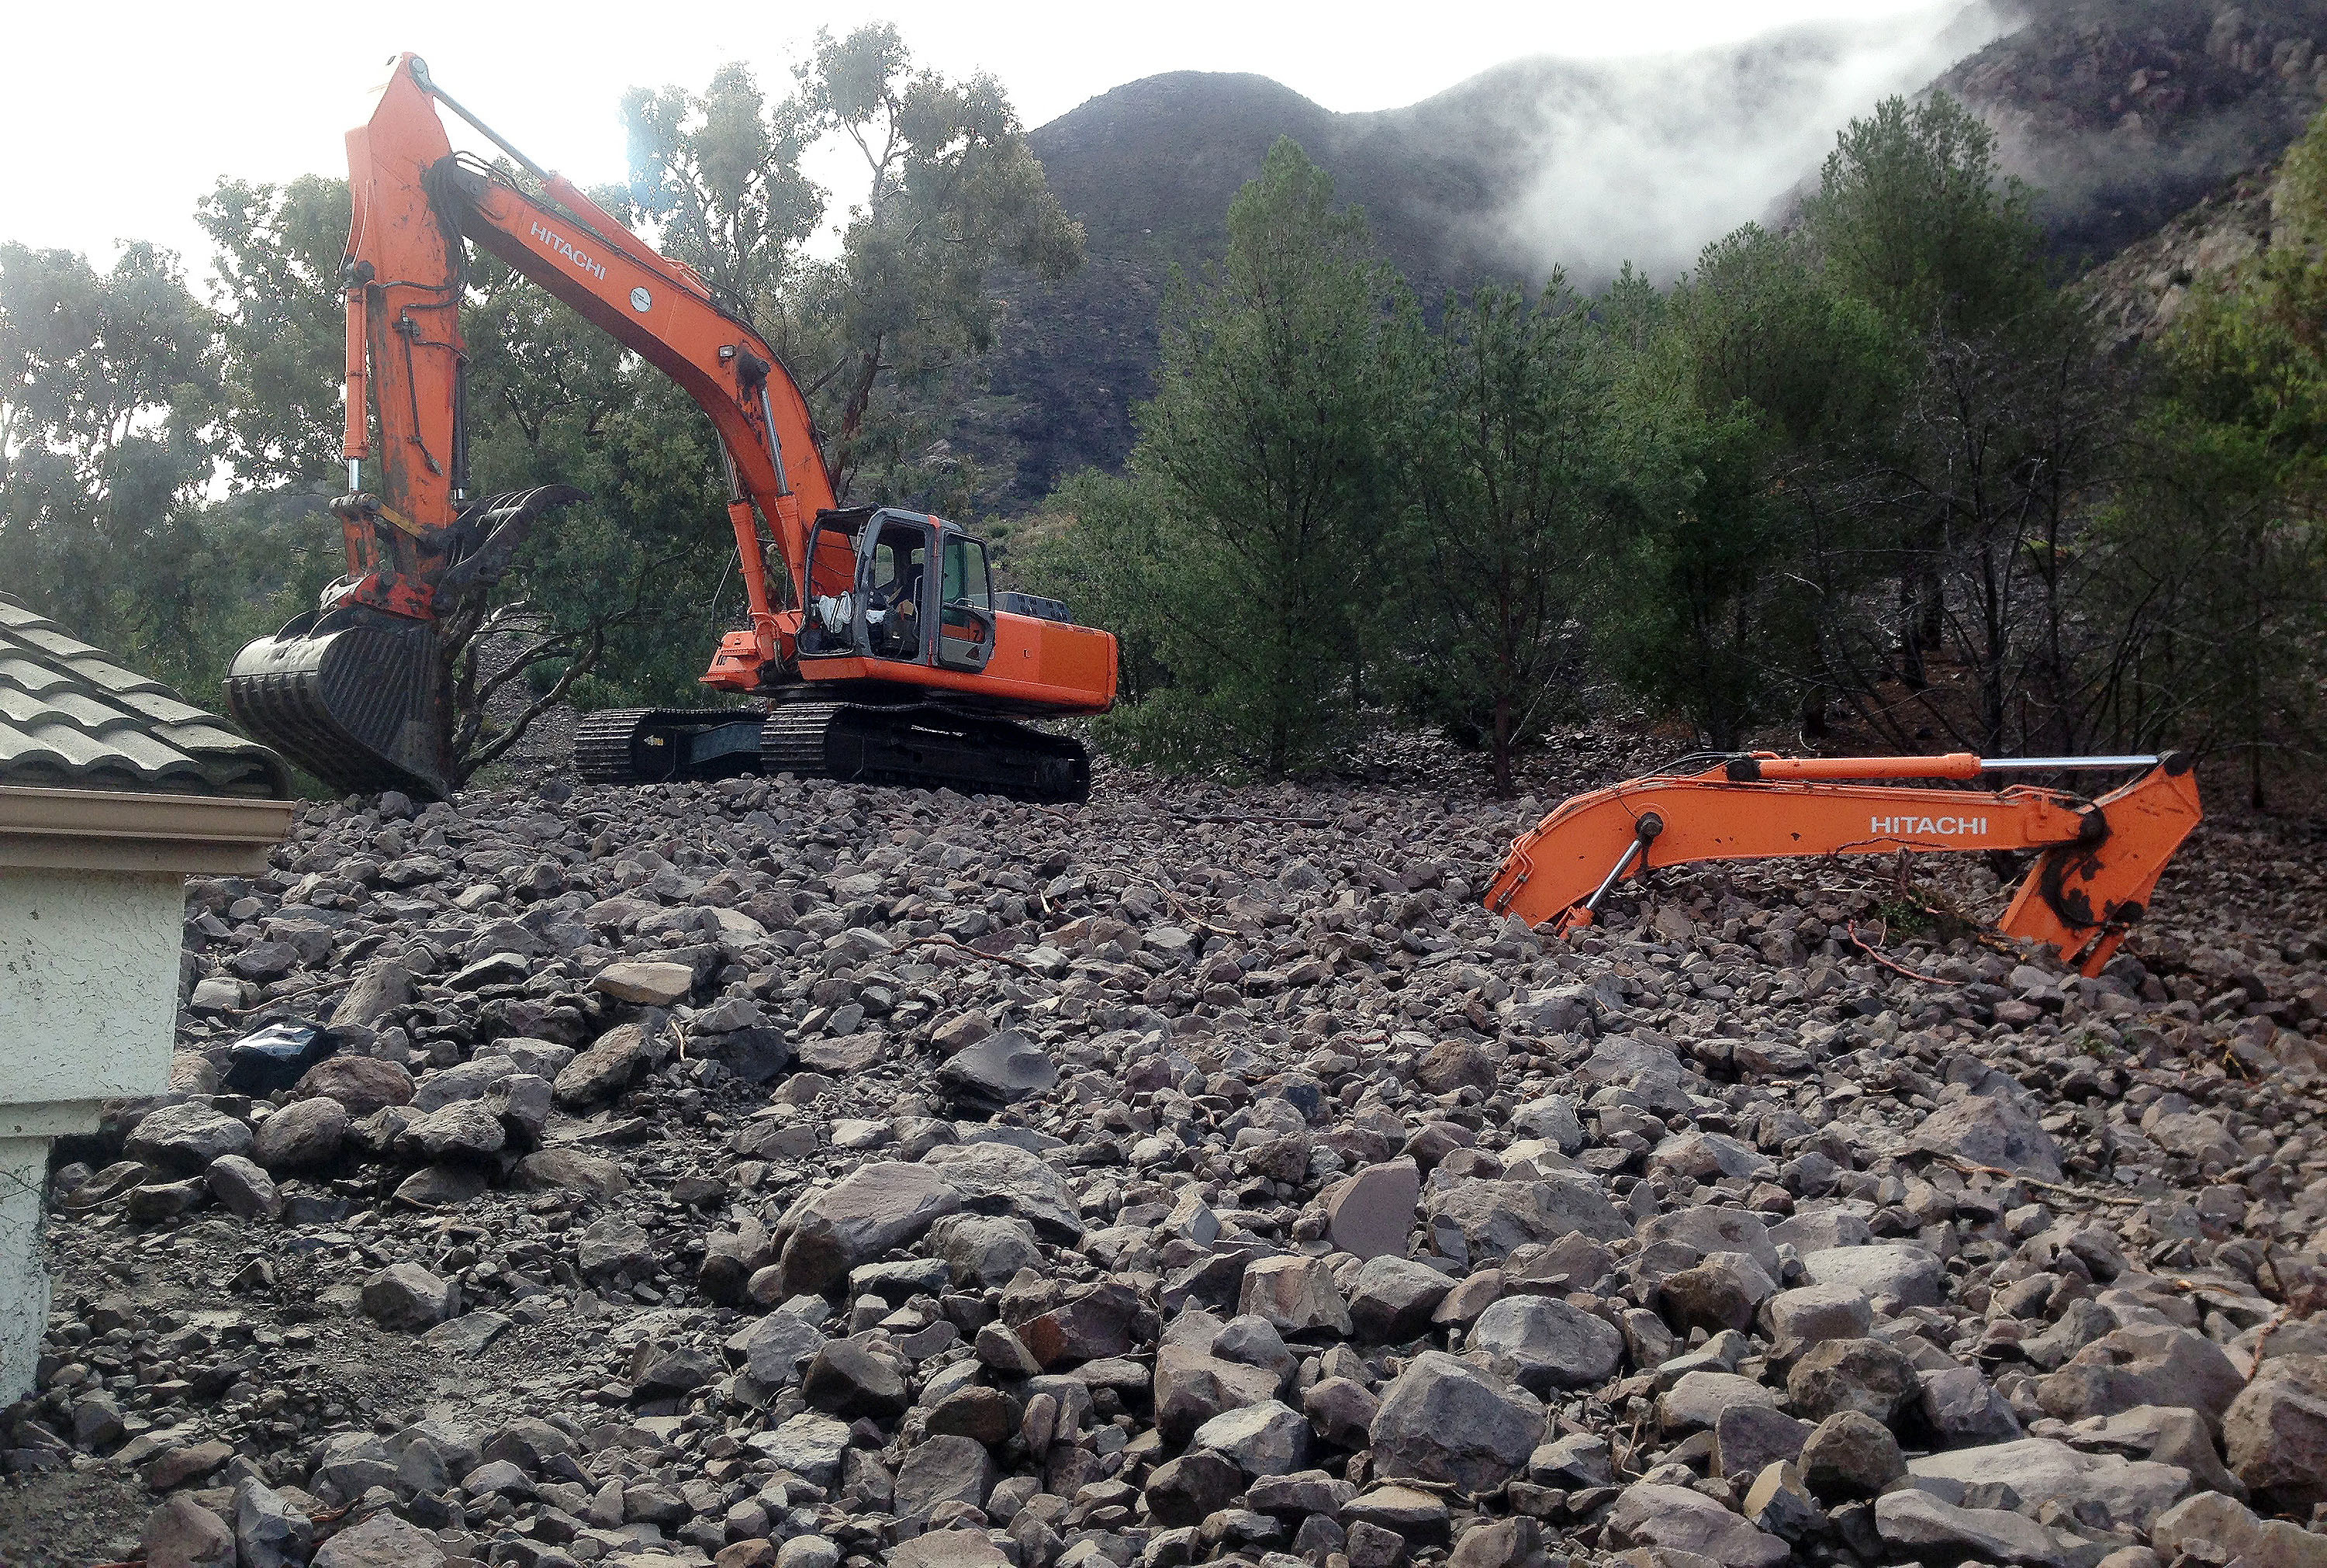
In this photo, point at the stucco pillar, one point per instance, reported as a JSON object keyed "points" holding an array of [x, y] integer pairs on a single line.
{"points": [[92, 909]]}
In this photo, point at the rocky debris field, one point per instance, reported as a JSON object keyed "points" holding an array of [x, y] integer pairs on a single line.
{"points": [[781, 1173]]}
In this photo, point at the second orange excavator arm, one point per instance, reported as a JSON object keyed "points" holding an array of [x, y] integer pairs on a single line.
{"points": [[414, 200], [2097, 861]]}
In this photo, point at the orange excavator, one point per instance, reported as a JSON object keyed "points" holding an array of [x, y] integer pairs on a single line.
{"points": [[877, 648], [2096, 861]]}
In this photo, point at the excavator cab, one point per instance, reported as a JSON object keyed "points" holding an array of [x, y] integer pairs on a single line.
{"points": [[873, 593]]}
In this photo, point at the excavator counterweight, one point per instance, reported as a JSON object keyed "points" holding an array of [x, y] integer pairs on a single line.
{"points": [[2096, 861], [882, 624]]}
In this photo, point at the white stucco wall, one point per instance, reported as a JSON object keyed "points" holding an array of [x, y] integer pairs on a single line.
{"points": [[88, 987], [89, 995], [24, 1279]]}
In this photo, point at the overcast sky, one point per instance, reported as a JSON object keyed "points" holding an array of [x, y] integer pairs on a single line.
{"points": [[115, 119]]}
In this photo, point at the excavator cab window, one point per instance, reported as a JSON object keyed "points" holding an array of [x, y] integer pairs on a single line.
{"points": [[895, 586], [966, 610]]}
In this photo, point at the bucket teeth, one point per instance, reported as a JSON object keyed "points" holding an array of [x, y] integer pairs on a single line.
{"points": [[353, 697]]}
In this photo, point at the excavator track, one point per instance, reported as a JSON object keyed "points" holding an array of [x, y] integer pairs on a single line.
{"points": [[925, 746], [920, 745], [657, 745]]}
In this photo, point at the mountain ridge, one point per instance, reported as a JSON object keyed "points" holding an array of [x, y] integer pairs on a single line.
{"points": [[1546, 162]]}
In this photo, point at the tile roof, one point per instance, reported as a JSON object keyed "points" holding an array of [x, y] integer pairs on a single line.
{"points": [[71, 718]]}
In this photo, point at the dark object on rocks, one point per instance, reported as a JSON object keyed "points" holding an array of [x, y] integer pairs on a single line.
{"points": [[276, 1056]]}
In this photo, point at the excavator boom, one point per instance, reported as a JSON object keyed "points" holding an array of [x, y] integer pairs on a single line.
{"points": [[2096, 861], [359, 690]]}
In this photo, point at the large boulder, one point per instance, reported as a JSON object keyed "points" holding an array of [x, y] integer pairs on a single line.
{"points": [[1542, 1344], [2275, 1433], [1445, 1420], [877, 1206], [184, 1138], [1991, 1131], [2143, 1364], [1682, 1520]]}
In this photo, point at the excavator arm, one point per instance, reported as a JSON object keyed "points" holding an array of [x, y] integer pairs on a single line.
{"points": [[414, 200], [2096, 861], [357, 689]]}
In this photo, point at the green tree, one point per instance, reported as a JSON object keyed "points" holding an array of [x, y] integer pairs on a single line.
{"points": [[109, 387], [1262, 463], [883, 337], [1913, 215], [282, 325], [1505, 461], [1743, 393], [719, 174]]}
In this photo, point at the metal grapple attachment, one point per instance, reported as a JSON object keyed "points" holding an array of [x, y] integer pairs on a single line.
{"points": [[352, 695]]}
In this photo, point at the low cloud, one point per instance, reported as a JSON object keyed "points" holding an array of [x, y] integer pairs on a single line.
{"points": [[1647, 160]]}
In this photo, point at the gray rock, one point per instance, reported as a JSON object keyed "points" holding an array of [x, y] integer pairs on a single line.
{"points": [[184, 1138], [997, 1070], [1708, 1229], [407, 1296], [1921, 1525], [1445, 1420], [1265, 1439], [614, 1246], [1542, 1344], [996, 1178], [1392, 1298], [986, 1249], [879, 1205], [242, 1189], [776, 1348], [2221, 1523], [1496, 1218], [1865, 1376], [1851, 1455], [304, 1135], [183, 1533], [1963, 1410], [1748, 1439], [1810, 1313], [2143, 1364], [1679, 1519], [268, 1532], [943, 1470], [1912, 1275], [809, 1445], [1295, 1294], [1696, 1401], [382, 1541], [1990, 1131], [467, 1082], [2042, 1470], [1369, 1215], [2275, 1433]]}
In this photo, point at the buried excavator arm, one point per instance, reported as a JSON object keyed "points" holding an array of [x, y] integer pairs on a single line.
{"points": [[355, 689], [2097, 860]]}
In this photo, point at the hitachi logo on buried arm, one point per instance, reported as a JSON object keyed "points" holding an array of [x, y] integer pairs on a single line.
{"points": [[1938, 826], [557, 242]]}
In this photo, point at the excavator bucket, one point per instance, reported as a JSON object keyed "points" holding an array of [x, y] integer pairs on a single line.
{"points": [[352, 695]]}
